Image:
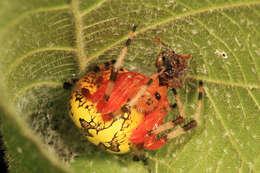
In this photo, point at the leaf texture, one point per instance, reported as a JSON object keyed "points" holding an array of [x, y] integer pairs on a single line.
{"points": [[46, 42]]}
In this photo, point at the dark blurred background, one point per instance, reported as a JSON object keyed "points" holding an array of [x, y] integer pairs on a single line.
{"points": [[3, 166]]}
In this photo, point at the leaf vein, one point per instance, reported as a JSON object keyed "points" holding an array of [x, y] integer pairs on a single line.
{"points": [[247, 44], [218, 164], [220, 82], [100, 22], [236, 58], [252, 57], [160, 161], [25, 14], [224, 43], [97, 5], [36, 84], [170, 19], [231, 140], [28, 54]]}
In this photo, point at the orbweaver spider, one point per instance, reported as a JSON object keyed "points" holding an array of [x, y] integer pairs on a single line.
{"points": [[119, 110]]}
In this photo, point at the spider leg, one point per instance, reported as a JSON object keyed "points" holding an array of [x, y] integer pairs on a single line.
{"points": [[179, 103], [153, 144], [98, 68], [116, 67], [185, 57], [197, 114], [168, 125], [161, 43], [126, 107]]}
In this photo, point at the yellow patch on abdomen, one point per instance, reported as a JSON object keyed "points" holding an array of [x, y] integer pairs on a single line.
{"points": [[113, 135]]}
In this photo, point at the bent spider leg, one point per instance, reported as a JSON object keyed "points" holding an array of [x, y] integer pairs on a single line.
{"points": [[185, 57], [117, 65], [168, 125], [180, 119], [155, 144]]}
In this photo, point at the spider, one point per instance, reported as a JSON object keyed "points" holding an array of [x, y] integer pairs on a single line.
{"points": [[120, 110]]}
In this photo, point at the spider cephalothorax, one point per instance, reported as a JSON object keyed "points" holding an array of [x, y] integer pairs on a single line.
{"points": [[174, 66]]}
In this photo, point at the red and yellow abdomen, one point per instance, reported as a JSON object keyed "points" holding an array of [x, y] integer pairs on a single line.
{"points": [[111, 135]]}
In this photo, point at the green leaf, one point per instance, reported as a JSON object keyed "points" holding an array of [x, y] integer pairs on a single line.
{"points": [[45, 42]]}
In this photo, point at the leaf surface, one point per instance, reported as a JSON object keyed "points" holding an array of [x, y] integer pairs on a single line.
{"points": [[44, 43]]}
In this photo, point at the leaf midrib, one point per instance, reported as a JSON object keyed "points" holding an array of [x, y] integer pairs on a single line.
{"points": [[80, 44]]}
